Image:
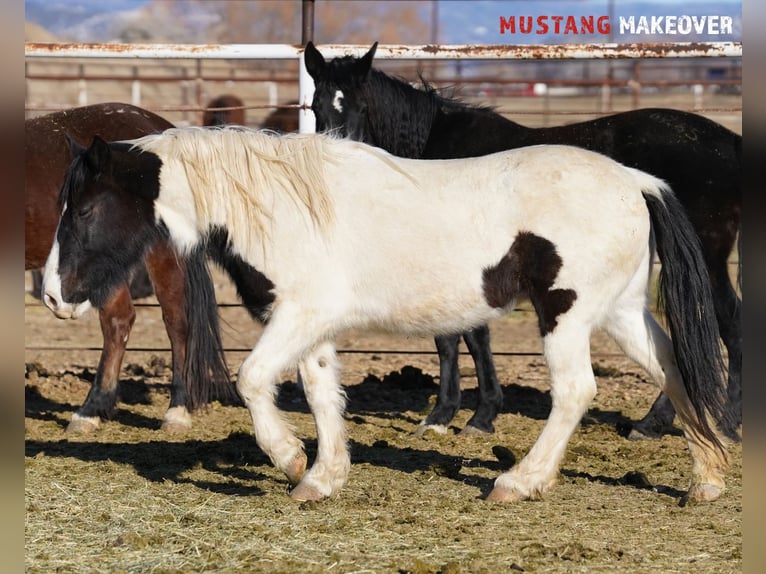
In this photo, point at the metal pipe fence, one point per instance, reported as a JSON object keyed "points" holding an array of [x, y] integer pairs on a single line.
{"points": [[291, 52], [288, 52]]}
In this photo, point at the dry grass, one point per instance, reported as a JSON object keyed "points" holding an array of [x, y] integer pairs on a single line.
{"points": [[131, 498]]}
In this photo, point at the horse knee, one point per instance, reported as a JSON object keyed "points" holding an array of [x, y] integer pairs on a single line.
{"points": [[117, 315], [250, 386]]}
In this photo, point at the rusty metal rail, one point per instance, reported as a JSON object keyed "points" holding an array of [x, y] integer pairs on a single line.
{"points": [[389, 51]]}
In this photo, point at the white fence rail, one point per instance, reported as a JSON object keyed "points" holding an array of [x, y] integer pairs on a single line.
{"points": [[389, 51]]}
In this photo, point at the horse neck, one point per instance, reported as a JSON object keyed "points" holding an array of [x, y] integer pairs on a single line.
{"points": [[464, 130], [399, 117]]}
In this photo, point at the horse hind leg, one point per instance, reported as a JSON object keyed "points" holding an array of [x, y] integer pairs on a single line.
{"points": [[657, 422], [448, 400], [169, 288], [728, 311], [116, 318], [659, 419], [490, 393], [320, 371], [573, 386], [643, 340]]}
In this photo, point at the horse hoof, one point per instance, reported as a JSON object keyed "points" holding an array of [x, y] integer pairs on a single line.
{"points": [[703, 493], [639, 434], [305, 492], [177, 420], [82, 425], [500, 494], [175, 427], [295, 470], [424, 428], [471, 430]]}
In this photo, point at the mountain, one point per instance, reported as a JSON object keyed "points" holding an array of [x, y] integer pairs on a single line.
{"points": [[82, 20]]}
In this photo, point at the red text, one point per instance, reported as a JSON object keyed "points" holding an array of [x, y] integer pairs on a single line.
{"points": [[554, 24]]}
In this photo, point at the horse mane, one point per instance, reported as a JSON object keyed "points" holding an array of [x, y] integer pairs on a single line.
{"points": [[450, 102], [228, 168], [400, 116], [73, 180]]}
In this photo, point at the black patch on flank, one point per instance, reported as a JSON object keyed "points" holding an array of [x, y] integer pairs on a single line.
{"points": [[529, 268]]}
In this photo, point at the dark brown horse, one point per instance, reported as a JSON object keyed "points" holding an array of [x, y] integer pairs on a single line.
{"points": [[199, 374], [282, 120], [224, 110]]}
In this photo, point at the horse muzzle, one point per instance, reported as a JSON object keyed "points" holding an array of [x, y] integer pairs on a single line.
{"points": [[64, 310]]}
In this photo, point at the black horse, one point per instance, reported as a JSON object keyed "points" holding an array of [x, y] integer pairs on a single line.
{"points": [[699, 158]]}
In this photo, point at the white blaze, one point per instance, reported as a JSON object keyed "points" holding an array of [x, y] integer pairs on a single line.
{"points": [[337, 101], [51, 288]]}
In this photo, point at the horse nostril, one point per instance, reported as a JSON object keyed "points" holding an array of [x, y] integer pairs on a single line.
{"points": [[50, 301]]}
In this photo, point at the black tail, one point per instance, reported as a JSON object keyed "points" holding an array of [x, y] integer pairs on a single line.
{"points": [[685, 298], [205, 371]]}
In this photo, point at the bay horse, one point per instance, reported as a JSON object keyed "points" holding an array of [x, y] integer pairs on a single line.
{"points": [[224, 110], [700, 160], [199, 368], [570, 229], [282, 120]]}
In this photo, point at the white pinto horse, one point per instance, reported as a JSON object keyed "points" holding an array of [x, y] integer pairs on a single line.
{"points": [[345, 236]]}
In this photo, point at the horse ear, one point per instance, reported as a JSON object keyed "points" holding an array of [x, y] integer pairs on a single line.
{"points": [[364, 65], [75, 149], [315, 64], [98, 156]]}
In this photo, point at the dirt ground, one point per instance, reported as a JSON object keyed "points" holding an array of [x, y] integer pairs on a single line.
{"points": [[133, 498]]}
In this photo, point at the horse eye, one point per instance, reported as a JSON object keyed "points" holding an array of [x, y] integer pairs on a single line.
{"points": [[85, 212]]}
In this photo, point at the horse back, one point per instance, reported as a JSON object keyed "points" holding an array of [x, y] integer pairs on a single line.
{"points": [[699, 158]]}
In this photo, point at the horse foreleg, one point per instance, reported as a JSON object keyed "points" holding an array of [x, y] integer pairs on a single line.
{"points": [[116, 317], [279, 347], [448, 400], [320, 370], [167, 276], [490, 393], [573, 386]]}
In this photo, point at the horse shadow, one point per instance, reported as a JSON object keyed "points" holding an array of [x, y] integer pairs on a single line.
{"points": [[410, 389], [130, 391], [233, 457]]}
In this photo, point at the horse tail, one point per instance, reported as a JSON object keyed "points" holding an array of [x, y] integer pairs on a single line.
{"points": [[686, 300], [205, 371]]}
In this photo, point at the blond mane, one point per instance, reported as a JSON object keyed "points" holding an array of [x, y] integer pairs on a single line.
{"points": [[229, 169]]}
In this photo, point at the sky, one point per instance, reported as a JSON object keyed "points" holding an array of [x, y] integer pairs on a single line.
{"points": [[478, 21]]}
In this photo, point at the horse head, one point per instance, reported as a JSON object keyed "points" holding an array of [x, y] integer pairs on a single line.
{"points": [[339, 102], [107, 224]]}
